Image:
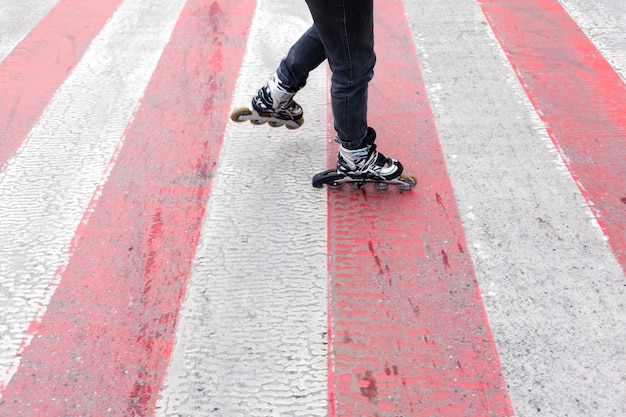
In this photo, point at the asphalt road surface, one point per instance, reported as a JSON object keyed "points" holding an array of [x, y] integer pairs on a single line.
{"points": [[157, 259]]}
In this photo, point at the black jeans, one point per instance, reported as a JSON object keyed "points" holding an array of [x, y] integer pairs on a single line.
{"points": [[343, 33]]}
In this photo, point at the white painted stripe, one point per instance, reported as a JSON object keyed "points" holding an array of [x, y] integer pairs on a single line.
{"points": [[552, 287], [604, 22], [17, 18], [47, 186], [252, 337]]}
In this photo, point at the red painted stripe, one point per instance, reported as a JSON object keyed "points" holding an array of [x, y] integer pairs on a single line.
{"points": [[331, 159], [578, 95], [35, 69], [105, 341], [410, 333]]}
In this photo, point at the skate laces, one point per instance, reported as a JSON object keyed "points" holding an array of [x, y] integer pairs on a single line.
{"points": [[275, 99], [367, 162], [361, 161], [356, 160], [280, 97]]}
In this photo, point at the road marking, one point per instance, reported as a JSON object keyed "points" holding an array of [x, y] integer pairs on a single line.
{"points": [[410, 334], [552, 287], [17, 19], [250, 340], [46, 189], [252, 334], [580, 98], [43, 60], [605, 26]]}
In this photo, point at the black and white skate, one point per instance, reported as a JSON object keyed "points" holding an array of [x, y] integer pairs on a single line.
{"points": [[273, 119], [273, 104], [334, 179]]}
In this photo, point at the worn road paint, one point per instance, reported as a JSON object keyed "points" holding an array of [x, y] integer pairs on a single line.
{"points": [[108, 331], [251, 339], [410, 335], [552, 287], [18, 19], [45, 191], [554, 291], [39, 64], [578, 95]]}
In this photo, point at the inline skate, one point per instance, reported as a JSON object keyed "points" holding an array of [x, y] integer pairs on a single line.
{"points": [[363, 166], [273, 104]]}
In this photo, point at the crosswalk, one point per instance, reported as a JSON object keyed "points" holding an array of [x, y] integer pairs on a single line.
{"points": [[158, 260]]}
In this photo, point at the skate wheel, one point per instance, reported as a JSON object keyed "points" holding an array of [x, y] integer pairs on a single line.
{"points": [[257, 122], [275, 124], [299, 122], [357, 185], [408, 182], [330, 177], [381, 185], [239, 115]]}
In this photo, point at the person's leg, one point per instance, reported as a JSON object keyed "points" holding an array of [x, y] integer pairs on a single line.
{"points": [[303, 57], [346, 29], [274, 101]]}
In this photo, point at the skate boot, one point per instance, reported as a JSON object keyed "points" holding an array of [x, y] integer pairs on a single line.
{"points": [[273, 104], [362, 166]]}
